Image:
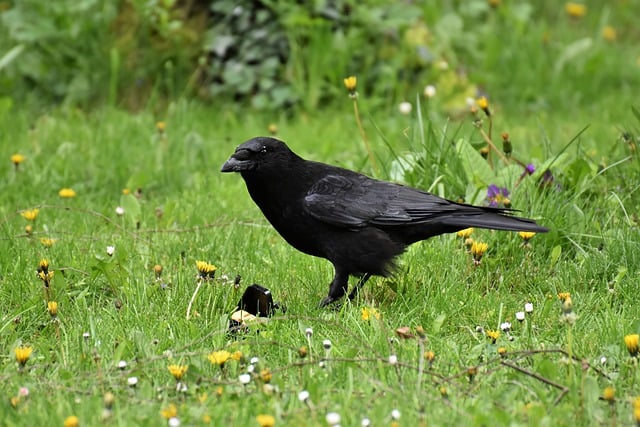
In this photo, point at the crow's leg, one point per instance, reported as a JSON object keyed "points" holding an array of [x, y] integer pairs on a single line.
{"points": [[363, 279], [337, 288]]}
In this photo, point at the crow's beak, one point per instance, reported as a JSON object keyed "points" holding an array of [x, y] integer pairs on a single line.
{"points": [[235, 165]]}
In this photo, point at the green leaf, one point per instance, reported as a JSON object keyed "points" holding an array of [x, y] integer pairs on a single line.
{"points": [[475, 167]]}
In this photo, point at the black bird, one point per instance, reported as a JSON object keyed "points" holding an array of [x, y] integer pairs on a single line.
{"points": [[358, 223]]}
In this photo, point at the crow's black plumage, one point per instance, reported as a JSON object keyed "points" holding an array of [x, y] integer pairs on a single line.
{"points": [[358, 223]]}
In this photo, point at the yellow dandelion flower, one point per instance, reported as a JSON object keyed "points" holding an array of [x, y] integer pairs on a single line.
{"points": [[367, 313], [170, 411], [609, 33], [483, 104], [563, 296], [632, 342], [43, 265], [236, 355], [52, 308], [465, 233], [493, 336], [477, 250], [636, 410], [430, 356], [23, 353], [502, 351], [609, 394], [206, 418], [178, 371], [350, 83], [157, 269], [303, 351], [575, 10], [47, 242], [30, 214], [266, 420], [205, 269], [67, 193], [161, 126], [526, 235], [266, 375], [28, 229], [273, 128], [126, 191], [72, 421], [17, 158], [219, 357]]}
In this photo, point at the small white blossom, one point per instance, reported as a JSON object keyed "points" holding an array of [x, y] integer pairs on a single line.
{"points": [[174, 422], [303, 396], [111, 250], [528, 307], [244, 379], [405, 107], [122, 364], [132, 381], [322, 364], [430, 91], [23, 392], [119, 211], [254, 361], [326, 344], [251, 369], [442, 65], [333, 418], [86, 335], [395, 414], [505, 326], [520, 316], [393, 359], [366, 422], [308, 332], [603, 360]]}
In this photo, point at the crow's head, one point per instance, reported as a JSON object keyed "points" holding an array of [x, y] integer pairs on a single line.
{"points": [[257, 154]]}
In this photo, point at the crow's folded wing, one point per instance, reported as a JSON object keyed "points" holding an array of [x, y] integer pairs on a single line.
{"points": [[357, 201]]}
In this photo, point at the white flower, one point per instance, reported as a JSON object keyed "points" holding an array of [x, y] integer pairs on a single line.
{"points": [[505, 326], [528, 307], [86, 335], [430, 91], [395, 414], [122, 364], [132, 381], [23, 392], [333, 418], [322, 364], [303, 396], [111, 250], [366, 422], [520, 316], [119, 211], [405, 107], [442, 65], [470, 101], [251, 369], [326, 344], [308, 332], [174, 422], [393, 359], [254, 361], [244, 379], [603, 360]]}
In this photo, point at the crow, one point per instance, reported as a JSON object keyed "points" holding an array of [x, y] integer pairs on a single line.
{"points": [[359, 224]]}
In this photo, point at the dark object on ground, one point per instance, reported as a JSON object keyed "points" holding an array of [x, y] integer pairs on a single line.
{"points": [[256, 301], [358, 223]]}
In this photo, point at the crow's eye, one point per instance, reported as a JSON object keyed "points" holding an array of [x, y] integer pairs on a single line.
{"points": [[264, 149]]}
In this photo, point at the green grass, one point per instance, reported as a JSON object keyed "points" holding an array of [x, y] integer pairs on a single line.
{"points": [[591, 252]]}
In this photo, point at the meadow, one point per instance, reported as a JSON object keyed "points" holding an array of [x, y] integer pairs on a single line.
{"points": [[124, 251]]}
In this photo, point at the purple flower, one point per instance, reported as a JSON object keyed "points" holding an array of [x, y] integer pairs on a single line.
{"points": [[530, 169], [497, 196]]}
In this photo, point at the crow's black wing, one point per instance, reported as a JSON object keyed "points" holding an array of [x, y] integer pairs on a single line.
{"points": [[356, 201]]}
